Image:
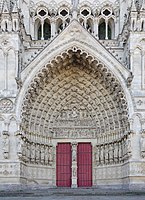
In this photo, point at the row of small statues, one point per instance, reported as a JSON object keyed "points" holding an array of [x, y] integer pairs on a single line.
{"points": [[34, 153], [113, 153], [30, 152], [27, 151], [37, 153]]}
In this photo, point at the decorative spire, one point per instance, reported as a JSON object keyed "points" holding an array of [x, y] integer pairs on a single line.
{"points": [[5, 7], [143, 5], [133, 6], [15, 6]]}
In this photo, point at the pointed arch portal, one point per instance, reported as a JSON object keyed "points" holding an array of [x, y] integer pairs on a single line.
{"points": [[76, 98], [76, 90]]}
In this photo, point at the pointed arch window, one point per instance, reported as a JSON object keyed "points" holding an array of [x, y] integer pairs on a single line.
{"points": [[44, 30], [106, 29]]}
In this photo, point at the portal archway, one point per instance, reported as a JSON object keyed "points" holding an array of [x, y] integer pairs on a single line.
{"points": [[75, 82], [75, 98]]}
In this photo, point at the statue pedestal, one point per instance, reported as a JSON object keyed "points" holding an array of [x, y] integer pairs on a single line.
{"points": [[74, 183]]}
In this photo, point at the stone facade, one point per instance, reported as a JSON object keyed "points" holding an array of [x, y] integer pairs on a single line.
{"points": [[72, 71]]}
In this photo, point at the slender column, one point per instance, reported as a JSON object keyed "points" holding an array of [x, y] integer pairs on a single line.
{"points": [[42, 30], [106, 21], [33, 30], [6, 70], [96, 28], [131, 60], [17, 64], [63, 24], [143, 69], [85, 23], [74, 165], [53, 28]]}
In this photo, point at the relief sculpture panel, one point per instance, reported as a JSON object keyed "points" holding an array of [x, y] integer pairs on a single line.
{"points": [[74, 122]]}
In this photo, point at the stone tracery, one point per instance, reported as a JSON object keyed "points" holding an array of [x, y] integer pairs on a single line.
{"points": [[58, 16]]}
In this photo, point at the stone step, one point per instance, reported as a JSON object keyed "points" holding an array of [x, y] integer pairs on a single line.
{"points": [[29, 191]]}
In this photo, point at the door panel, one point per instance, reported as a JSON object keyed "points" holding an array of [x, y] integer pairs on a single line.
{"points": [[63, 165], [84, 162]]}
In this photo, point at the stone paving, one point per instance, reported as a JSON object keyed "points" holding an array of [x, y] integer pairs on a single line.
{"points": [[95, 197], [27, 193]]}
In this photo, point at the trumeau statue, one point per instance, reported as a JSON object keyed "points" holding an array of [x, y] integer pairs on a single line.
{"points": [[75, 4]]}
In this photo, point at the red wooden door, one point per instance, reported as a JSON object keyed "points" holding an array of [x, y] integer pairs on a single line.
{"points": [[84, 161], [63, 165]]}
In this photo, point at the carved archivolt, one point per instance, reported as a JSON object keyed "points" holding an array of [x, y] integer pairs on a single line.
{"points": [[74, 91]]}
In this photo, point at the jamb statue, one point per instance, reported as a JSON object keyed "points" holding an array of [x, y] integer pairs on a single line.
{"points": [[5, 144]]}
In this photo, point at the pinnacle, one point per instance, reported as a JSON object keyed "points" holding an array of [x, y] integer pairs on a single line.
{"points": [[133, 7], [8, 6]]}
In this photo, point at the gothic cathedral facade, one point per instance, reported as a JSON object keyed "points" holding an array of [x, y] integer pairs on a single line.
{"points": [[72, 93]]}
